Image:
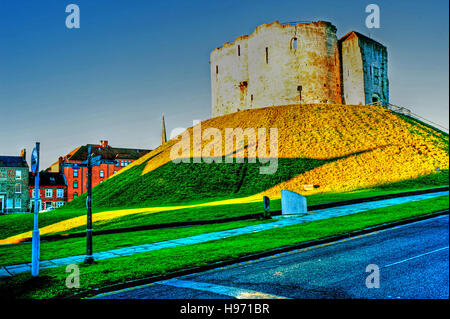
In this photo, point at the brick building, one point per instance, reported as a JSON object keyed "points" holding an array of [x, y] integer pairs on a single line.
{"points": [[14, 184], [52, 190], [77, 177]]}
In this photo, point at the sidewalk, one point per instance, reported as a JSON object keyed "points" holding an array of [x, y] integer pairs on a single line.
{"points": [[279, 221]]}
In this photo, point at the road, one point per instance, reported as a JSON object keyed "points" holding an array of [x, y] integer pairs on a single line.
{"points": [[412, 259]]}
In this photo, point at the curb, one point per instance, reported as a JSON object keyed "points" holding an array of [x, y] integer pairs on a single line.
{"points": [[239, 218], [275, 251]]}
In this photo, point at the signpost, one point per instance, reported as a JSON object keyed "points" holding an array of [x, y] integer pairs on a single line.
{"points": [[266, 201], [89, 163], [36, 236]]}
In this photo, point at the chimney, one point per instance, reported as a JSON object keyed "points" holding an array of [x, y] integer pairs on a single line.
{"points": [[23, 154], [60, 161], [104, 143]]}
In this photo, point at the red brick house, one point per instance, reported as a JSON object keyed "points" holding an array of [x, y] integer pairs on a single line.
{"points": [[77, 178], [52, 190]]}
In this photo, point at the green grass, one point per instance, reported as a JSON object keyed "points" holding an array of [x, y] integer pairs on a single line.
{"points": [[18, 223], [21, 253], [198, 182], [118, 270], [188, 182]]}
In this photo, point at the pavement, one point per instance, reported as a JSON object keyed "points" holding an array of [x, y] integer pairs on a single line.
{"points": [[412, 262], [279, 221]]}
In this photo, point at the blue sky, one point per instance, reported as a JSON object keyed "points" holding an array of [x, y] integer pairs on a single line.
{"points": [[131, 61]]}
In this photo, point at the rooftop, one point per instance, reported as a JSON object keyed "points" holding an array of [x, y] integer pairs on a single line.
{"points": [[359, 35], [107, 152], [12, 161], [48, 179]]}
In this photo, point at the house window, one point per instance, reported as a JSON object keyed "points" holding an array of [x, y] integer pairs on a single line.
{"points": [[60, 193], [75, 184], [75, 195], [49, 193], [9, 203], [2, 175], [18, 188], [114, 172], [102, 174], [2, 188], [75, 173], [18, 175], [18, 203], [59, 204], [117, 163], [267, 55]]}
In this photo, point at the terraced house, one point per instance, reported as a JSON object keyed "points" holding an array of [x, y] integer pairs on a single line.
{"points": [[52, 190], [14, 184], [77, 177]]}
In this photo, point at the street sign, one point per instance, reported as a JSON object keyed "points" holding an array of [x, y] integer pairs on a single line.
{"points": [[34, 160], [73, 165]]}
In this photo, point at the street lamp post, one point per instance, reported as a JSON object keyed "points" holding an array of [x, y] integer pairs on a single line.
{"points": [[36, 237], [89, 163], [89, 258]]}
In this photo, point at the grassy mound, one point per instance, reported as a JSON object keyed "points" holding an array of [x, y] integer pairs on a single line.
{"points": [[336, 147]]}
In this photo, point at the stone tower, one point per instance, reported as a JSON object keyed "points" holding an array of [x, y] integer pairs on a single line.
{"points": [[293, 63], [364, 69]]}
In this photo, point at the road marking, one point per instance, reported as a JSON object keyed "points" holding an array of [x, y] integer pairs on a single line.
{"points": [[421, 255], [235, 292]]}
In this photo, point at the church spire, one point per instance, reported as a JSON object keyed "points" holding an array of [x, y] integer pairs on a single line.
{"points": [[163, 131]]}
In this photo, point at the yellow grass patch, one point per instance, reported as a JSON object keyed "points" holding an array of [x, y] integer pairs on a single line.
{"points": [[75, 222]]}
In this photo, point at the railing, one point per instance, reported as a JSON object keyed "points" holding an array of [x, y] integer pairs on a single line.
{"points": [[405, 111]]}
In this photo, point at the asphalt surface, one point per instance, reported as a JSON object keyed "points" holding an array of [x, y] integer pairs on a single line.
{"points": [[412, 259]]}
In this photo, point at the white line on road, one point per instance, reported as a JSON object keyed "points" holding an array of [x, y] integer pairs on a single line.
{"points": [[421, 255], [237, 293]]}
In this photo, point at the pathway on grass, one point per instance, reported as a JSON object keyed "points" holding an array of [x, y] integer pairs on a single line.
{"points": [[279, 221]]}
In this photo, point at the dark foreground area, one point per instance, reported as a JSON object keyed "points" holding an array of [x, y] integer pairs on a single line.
{"points": [[412, 261]]}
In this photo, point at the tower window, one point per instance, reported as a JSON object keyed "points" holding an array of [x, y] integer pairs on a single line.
{"points": [[251, 97], [239, 50], [217, 69], [267, 55], [294, 43]]}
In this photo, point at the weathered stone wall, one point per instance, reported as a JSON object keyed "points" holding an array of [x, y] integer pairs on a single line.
{"points": [[364, 70], [269, 69], [352, 72], [229, 73], [374, 57]]}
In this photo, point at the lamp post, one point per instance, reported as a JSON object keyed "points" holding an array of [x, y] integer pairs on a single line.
{"points": [[36, 237], [89, 163], [89, 258]]}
